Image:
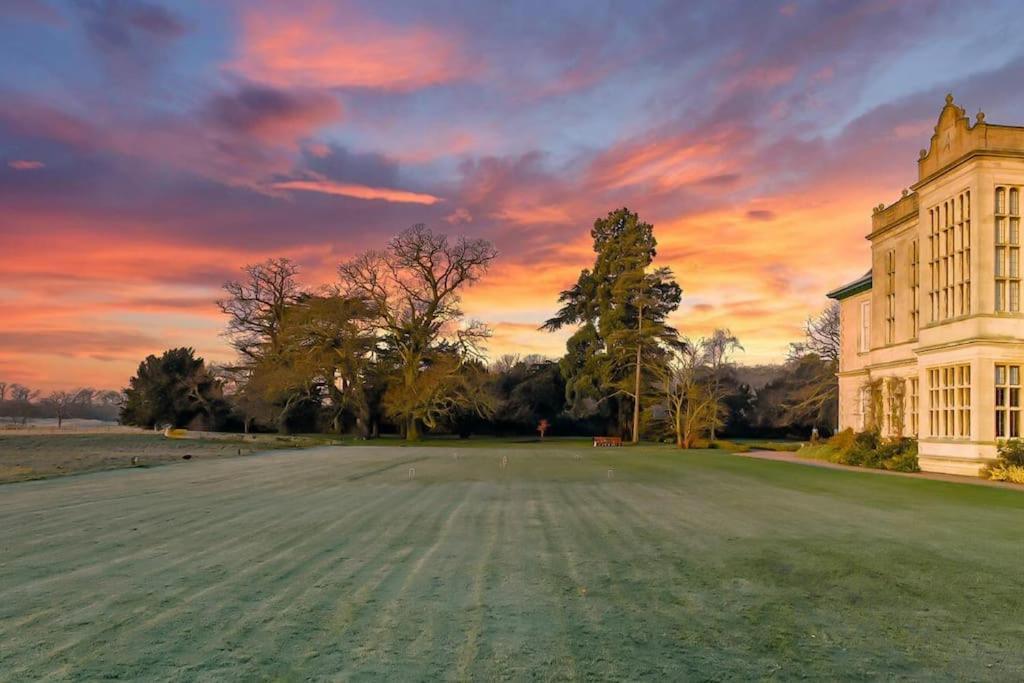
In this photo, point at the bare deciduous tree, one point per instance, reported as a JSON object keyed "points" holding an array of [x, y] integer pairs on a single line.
{"points": [[412, 290], [821, 339], [717, 349], [256, 306], [690, 404], [821, 336], [60, 403], [22, 394]]}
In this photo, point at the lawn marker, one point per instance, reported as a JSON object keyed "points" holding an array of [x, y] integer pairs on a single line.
{"points": [[611, 472], [412, 472], [504, 462]]}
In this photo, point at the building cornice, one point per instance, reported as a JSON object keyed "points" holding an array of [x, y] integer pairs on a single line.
{"points": [[972, 341], [969, 156], [861, 284]]}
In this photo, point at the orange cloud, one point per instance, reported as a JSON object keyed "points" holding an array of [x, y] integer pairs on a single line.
{"points": [[325, 186], [332, 47], [668, 162]]}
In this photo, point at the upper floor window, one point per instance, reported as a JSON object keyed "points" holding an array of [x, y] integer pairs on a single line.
{"points": [[864, 341], [1007, 258], [949, 241], [890, 296]]}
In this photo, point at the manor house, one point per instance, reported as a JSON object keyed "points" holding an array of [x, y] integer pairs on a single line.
{"points": [[932, 337]]}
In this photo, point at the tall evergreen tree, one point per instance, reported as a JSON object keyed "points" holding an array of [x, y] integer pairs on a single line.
{"points": [[622, 311]]}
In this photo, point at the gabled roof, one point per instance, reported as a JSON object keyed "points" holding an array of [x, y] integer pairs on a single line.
{"points": [[861, 284]]}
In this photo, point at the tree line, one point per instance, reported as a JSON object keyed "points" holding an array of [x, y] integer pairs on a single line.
{"points": [[386, 348], [19, 404]]}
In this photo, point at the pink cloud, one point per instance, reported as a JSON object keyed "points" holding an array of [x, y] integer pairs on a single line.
{"points": [[25, 165], [333, 46], [325, 186]]}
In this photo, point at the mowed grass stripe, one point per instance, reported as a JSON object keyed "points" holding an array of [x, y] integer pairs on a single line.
{"points": [[344, 553], [49, 516], [206, 531], [243, 518], [255, 559]]}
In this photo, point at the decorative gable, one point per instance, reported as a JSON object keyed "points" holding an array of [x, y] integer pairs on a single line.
{"points": [[954, 137]]}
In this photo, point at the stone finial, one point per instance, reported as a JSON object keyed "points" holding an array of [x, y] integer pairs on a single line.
{"points": [[981, 116], [949, 98], [923, 153], [906, 192]]}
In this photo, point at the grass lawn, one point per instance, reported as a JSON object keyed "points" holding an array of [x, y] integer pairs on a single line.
{"points": [[33, 456], [333, 563], [24, 455]]}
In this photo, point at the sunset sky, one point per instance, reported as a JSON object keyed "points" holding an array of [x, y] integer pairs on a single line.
{"points": [[148, 150]]}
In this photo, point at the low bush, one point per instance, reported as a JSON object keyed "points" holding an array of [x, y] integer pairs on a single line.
{"points": [[1010, 464], [868, 449], [720, 444]]}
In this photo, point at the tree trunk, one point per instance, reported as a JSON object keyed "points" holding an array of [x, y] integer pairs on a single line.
{"points": [[714, 416], [636, 382], [412, 430]]}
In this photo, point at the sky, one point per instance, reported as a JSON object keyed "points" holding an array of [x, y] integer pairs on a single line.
{"points": [[150, 149]]}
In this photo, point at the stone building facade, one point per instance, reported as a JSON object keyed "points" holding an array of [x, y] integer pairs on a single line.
{"points": [[932, 337]]}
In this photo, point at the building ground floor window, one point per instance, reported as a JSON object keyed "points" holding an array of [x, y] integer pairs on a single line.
{"points": [[949, 401], [1007, 400]]}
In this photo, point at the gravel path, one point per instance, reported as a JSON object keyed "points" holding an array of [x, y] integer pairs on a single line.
{"points": [[780, 456]]}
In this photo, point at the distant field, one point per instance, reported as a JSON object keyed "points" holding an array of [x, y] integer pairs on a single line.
{"points": [[570, 563], [31, 456]]}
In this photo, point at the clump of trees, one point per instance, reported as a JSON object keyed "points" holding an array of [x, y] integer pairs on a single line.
{"points": [[387, 347], [388, 344]]}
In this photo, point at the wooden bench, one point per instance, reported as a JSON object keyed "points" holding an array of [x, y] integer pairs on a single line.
{"points": [[607, 441]]}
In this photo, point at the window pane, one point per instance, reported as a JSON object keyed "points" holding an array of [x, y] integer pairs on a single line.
{"points": [[1000, 374], [1000, 423], [1000, 231], [1015, 375], [1000, 397], [1013, 202], [1000, 200]]}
